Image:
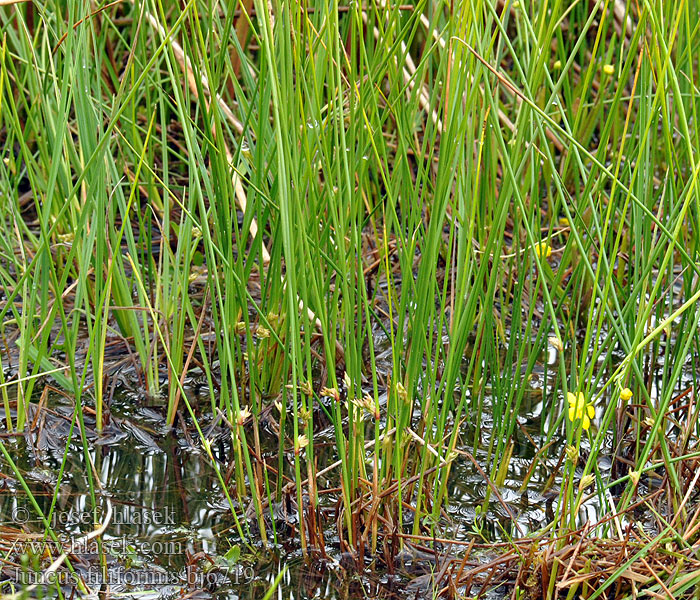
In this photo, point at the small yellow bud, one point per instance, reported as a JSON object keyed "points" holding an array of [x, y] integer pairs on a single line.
{"points": [[557, 64], [626, 394], [609, 69]]}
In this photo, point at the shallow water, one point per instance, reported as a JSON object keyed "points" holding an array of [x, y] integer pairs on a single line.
{"points": [[171, 526], [172, 532]]}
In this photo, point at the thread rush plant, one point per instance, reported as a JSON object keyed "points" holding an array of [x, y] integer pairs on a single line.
{"points": [[464, 184]]}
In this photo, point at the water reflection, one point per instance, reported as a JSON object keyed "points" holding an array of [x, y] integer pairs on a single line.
{"points": [[171, 528]]}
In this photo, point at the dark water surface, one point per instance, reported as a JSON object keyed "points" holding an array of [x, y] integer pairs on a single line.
{"points": [[172, 534]]}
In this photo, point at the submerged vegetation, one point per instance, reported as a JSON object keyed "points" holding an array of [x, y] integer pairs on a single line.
{"points": [[387, 242]]}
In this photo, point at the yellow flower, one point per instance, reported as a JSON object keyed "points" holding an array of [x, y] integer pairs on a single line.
{"points": [[609, 69], [579, 409], [626, 394], [543, 250]]}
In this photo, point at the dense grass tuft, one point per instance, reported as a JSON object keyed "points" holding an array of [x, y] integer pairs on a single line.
{"points": [[397, 222]]}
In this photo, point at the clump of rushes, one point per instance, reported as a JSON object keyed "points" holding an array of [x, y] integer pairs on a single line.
{"points": [[364, 178]]}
